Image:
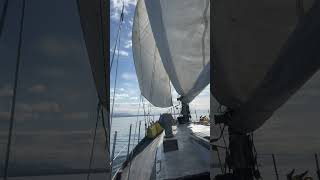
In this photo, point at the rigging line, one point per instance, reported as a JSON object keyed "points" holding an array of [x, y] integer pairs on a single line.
{"points": [[170, 91], [94, 141], [103, 48], [255, 152], [134, 138], [115, 82], [3, 15], [144, 110], [221, 134], [106, 147], [225, 144], [13, 104], [105, 74], [118, 34], [150, 111]]}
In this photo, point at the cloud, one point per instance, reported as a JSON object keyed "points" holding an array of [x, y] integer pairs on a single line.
{"points": [[121, 95], [128, 76], [130, 34], [130, 22], [128, 44], [6, 91], [38, 88], [116, 7], [121, 52]]}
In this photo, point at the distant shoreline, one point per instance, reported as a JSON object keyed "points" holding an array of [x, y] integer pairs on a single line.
{"points": [[133, 115]]}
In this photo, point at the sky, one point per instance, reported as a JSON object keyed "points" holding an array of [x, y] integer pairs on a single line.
{"points": [[127, 91]]}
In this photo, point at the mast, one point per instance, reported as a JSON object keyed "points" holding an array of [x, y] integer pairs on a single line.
{"points": [[241, 157], [185, 111]]}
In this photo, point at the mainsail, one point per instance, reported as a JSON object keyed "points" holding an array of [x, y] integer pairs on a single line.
{"points": [[261, 56], [175, 36]]}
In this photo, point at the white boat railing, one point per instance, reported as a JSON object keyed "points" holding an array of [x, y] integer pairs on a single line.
{"points": [[130, 142]]}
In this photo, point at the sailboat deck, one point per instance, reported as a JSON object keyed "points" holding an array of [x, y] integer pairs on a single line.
{"points": [[190, 159]]}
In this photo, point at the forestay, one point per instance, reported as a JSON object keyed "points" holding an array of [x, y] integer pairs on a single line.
{"points": [[261, 57], [153, 80]]}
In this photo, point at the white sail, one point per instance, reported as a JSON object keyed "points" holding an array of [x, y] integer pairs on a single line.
{"points": [[95, 30], [153, 80], [181, 30], [249, 76]]}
